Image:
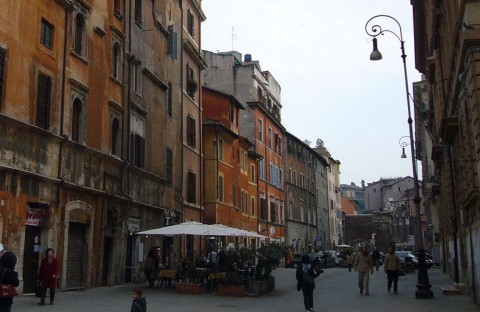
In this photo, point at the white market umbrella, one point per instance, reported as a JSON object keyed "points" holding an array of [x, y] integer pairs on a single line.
{"points": [[188, 228], [238, 232]]}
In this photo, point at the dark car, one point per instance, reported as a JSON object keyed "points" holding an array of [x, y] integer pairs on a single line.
{"points": [[315, 259]]}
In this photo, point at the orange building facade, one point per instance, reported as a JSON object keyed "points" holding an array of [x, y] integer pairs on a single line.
{"points": [[231, 188]]}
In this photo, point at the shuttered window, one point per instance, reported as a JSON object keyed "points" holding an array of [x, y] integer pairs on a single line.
{"points": [[43, 100], [170, 99], [137, 147], [172, 42], [3, 56]]}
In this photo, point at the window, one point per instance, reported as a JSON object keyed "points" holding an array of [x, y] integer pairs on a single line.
{"points": [[44, 85], [116, 7], [270, 137], [170, 99], [220, 149], [116, 60], [77, 121], [290, 175], [191, 131], [137, 140], [79, 36], [263, 208], [46, 34], [220, 194], [172, 42], [191, 24], [3, 56], [260, 130], [302, 180], [169, 165], [115, 133], [252, 173], [294, 181], [252, 206], [137, 78], [261, 169], [138, 12], [192, 187], [273, 211], [191, 83]]}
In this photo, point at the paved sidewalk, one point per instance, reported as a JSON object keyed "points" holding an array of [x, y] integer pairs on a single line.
{"points": [[336, 291]]}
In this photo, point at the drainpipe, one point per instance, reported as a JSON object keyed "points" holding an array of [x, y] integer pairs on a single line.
{"points": [[68, 9]]}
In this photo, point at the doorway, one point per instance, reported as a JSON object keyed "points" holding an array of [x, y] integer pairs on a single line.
{"points": [[31, 258]]}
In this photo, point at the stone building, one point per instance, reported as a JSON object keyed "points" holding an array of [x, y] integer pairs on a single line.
{"points": [[335, 214], [447, 52], [90, 150], [301, 189]]}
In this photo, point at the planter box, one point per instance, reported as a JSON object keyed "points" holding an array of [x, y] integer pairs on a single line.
{"points": [[231, 290], [193, 289], [255, 288], [268, 284]]}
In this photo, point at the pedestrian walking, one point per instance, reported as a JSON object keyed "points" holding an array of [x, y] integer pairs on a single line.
{"points": [[139, 304], [363, 265], [150, 266], [350, 262], [47, 275], [8, 276], [306, 275], [376, 258], [392, 267]]}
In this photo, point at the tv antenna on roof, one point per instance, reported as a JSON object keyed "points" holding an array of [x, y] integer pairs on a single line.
{"points": [[234, 37]]}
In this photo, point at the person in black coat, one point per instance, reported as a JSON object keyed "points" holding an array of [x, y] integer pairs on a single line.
{"points": [[306, 268], [8, 276]]}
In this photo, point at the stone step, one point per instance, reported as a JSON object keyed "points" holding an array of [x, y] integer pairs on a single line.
{"points": [[462, 288], [450, 290]]}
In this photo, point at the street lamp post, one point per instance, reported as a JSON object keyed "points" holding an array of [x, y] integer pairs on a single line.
{"points": [[374, 30]]}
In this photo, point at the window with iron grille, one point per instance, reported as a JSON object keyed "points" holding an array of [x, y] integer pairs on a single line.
{"points": [[46, 34], [44, 84], [191, 131], [192, 187]]}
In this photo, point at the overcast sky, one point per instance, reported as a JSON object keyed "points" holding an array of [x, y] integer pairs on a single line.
{"points": [[319, 53]]}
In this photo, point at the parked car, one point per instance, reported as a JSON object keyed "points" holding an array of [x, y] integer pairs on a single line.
{"points": [[406, 257]]}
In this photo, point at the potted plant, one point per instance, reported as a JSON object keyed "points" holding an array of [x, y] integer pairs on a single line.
{"points": [[188, 274], [268, 259], [233, 284]]}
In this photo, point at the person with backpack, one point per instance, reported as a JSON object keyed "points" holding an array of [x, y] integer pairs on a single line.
{"points": [[306, 275]]}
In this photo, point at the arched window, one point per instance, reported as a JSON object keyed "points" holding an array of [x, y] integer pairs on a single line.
{"points": [[78, 43], [116, 60], [77, 121], [115, 136]]}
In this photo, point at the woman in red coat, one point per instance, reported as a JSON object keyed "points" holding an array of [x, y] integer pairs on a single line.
{"points": [[47, 275]]}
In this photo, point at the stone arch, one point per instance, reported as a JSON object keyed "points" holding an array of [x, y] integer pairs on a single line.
{"points": [[81, 213]]}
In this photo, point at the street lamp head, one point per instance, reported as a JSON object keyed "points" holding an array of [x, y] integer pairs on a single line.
{"points": [[375, 55], [403, 153]]}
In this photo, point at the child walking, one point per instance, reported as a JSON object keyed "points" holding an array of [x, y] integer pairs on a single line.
{"points": [[139, 303]]}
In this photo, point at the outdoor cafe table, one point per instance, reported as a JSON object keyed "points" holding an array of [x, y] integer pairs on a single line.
{"points": [[167, 275]]}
